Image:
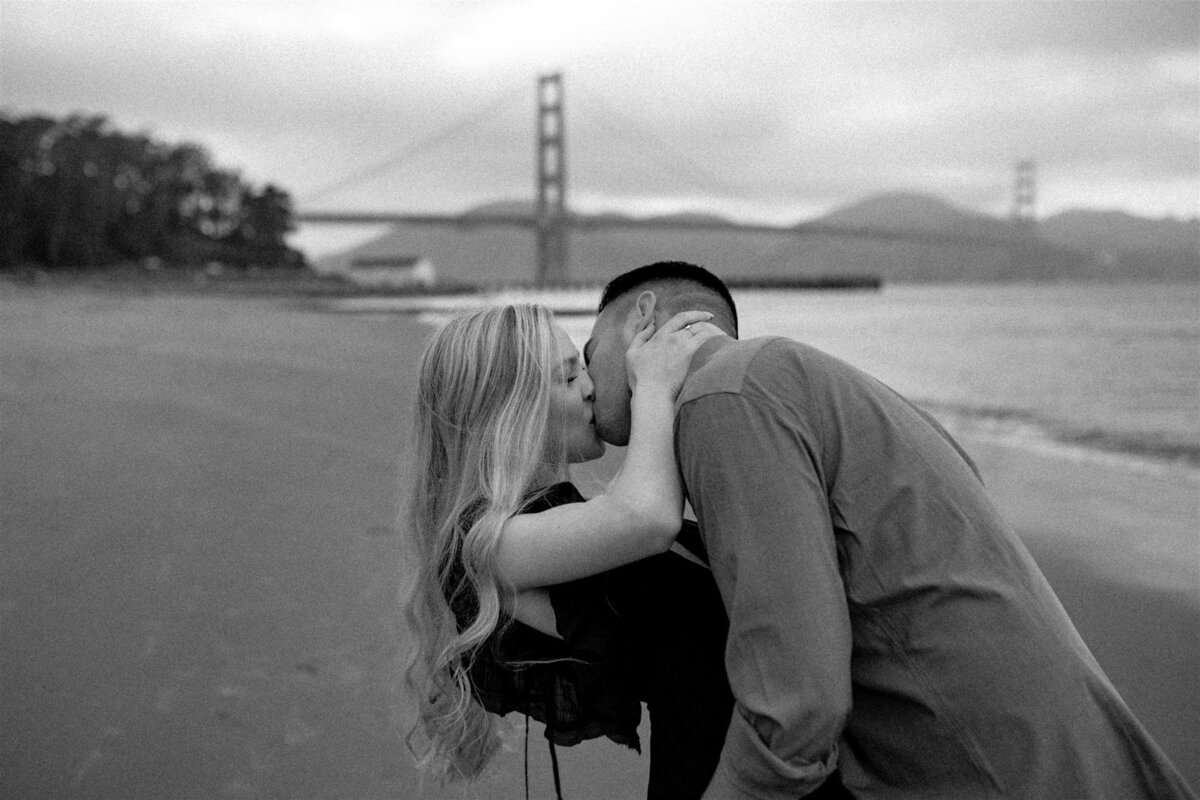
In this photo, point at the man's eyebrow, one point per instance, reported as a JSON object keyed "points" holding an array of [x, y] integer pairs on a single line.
{"points": [[587, 351]]}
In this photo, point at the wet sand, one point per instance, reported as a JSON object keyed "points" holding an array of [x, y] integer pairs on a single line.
{"points": [[200, 564]]}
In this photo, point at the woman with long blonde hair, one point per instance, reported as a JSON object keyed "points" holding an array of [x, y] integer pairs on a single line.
{"points": [[527, 597]]}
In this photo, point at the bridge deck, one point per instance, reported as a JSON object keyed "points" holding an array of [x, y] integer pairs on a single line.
{"points": [[602, 222]]}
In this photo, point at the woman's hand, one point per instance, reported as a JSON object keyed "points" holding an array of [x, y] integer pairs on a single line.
{"points": [[660, 358]]}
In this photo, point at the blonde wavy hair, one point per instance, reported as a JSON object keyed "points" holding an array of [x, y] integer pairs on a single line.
{"points": [[479, 447]]}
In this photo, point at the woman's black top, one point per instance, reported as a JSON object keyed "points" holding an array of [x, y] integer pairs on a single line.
{"points": [[652, 631]]}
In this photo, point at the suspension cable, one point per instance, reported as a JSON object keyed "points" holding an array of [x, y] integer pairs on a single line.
{"points": [[429, 142], [684, 168]]}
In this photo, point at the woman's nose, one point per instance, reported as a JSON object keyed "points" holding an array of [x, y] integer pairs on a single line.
{"points": [[589, 388]]}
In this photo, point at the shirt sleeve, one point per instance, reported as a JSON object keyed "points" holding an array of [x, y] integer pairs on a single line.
{"points": [[754, 481]]}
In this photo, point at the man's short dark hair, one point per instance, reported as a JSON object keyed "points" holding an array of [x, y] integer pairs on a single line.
{"points": [[667, 271]]}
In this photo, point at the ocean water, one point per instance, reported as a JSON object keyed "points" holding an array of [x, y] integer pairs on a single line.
{"points": [[1107, 372], [1110, 370]]}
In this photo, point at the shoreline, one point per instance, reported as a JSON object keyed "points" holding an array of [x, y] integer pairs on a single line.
{"points": [[198, 600], [1045, 444]]}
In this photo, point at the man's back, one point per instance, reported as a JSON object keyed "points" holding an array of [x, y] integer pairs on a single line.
{"points": [[870, 581]]}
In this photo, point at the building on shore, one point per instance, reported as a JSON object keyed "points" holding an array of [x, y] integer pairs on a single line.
{"points": [[391, 272]]}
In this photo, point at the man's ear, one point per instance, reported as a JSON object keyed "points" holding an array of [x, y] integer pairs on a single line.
{"points": [[643, 309]]}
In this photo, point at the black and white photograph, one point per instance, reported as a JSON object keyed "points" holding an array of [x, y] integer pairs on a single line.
{"points": [[501, 399]]}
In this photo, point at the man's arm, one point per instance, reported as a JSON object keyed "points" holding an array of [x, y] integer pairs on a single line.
{"points": [[756, 488]]}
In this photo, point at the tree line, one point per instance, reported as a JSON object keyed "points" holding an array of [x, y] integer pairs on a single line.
{"points": [[75, 192]]}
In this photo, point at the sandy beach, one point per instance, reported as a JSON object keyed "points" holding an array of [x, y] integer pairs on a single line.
{"points": [[197, 500]]}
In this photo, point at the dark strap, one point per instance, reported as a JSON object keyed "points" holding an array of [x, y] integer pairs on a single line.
{"points": [[554, 765], [689, 537]]}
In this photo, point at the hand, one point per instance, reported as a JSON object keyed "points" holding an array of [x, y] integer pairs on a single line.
{"points": [[660, 358]]}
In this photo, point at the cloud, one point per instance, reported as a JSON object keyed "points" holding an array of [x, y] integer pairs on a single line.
{"points": [[746, 105]]}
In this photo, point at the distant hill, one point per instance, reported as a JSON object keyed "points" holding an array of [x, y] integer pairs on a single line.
{"points": [[901, 211], [1118, 230], [1075, 245], [1124, 246], [914, 261]]}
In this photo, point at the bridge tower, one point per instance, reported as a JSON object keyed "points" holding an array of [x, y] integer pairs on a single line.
{"points": [[1023, 259], [1024, 193], [551, 182]]}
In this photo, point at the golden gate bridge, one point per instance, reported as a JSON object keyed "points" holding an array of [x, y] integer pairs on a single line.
{"points": [[552, 221]]}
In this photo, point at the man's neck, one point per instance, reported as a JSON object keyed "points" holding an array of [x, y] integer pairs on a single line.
{"points": [[708, 350]]}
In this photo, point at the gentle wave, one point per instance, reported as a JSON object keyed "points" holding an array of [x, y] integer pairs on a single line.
{"points": [[1023, 428]]}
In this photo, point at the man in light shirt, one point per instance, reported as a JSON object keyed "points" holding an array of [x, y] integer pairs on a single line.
{"points": [[884, 619]]}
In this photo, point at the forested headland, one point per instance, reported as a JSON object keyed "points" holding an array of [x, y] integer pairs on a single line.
{"points": [[78, 193]]}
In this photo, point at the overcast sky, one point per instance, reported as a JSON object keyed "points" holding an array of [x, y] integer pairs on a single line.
{"points": [[760, 110]]}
